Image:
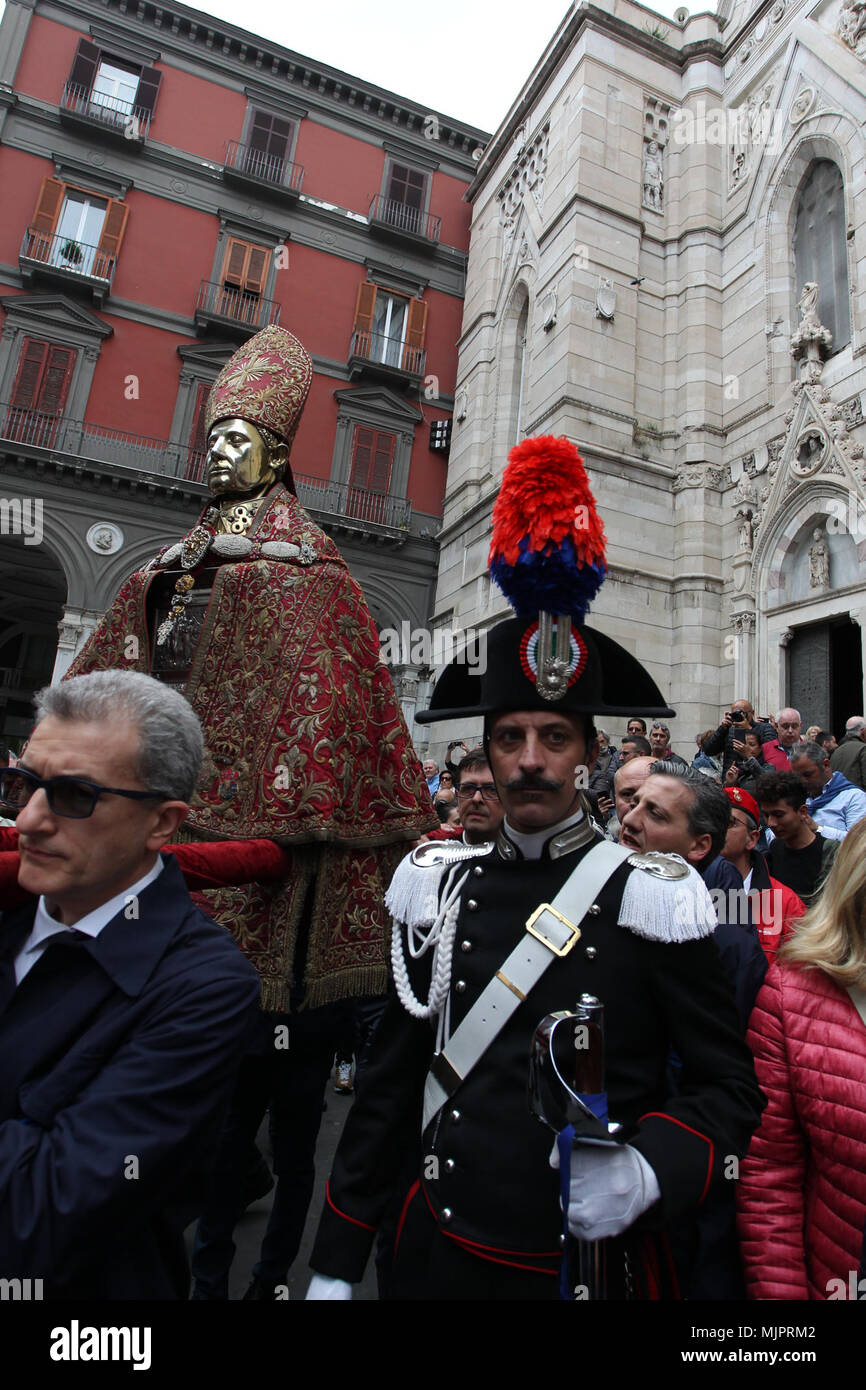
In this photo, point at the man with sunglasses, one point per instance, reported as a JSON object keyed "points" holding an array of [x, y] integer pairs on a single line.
{"points": [[123, 1009]]}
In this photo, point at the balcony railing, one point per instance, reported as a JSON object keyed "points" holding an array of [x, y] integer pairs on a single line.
{"points": [[377, 350], [66, 256], [119, 116], [355, 503], [390, 215], [230, 305], [248, 163], [99, 443], [86, 441]]}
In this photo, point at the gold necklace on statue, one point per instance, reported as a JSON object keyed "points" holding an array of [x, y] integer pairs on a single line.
{"points": [[229, 518]]}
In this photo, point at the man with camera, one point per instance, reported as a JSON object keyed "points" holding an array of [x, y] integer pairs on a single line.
{"points": [[729, 738]]}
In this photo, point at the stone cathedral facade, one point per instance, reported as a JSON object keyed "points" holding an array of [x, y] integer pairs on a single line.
{"points": [[668, 266]]}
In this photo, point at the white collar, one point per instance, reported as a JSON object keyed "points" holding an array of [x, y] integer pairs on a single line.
{"points": [[532, 846]]}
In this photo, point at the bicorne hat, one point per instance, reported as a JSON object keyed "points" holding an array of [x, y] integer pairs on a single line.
{"points": [[547, 554]]}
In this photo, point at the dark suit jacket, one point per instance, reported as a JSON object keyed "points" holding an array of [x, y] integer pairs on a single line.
{"points": [[117, 1055]]}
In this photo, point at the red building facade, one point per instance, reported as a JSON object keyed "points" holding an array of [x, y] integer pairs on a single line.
{"points": [[171, 185]]}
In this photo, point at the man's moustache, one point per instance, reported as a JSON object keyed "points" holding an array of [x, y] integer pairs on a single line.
{"points": [[533, 784]]}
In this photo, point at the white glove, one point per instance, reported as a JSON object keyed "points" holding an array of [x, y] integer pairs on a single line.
{"points": [[324, 1289], [610, 1187]]}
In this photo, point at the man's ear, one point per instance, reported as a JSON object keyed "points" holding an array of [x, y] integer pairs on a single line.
{"points": [[699, 849], [168, 818]]}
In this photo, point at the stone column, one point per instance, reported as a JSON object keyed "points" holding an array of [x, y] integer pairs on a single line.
{"points": [[74, 629], [406, 682], [743, 625]]}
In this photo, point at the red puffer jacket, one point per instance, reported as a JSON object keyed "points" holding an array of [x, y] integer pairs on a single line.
{"points": [[801, 1197]]}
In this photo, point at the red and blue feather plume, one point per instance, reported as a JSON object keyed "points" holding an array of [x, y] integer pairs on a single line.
{"points": [[547, 551]]}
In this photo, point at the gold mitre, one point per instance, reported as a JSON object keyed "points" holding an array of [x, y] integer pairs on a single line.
{"points": [[267, 382]]}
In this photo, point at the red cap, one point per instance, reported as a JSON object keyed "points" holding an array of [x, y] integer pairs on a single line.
{"points": [[745, 801]]}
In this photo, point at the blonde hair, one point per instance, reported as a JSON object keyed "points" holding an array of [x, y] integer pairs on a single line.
{"points": [[832, 935]]}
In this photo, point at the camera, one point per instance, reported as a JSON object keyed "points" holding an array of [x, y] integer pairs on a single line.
{"points": [[737, 716]]}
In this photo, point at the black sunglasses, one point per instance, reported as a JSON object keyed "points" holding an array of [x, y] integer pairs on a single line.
{"points": [[73, 797]]}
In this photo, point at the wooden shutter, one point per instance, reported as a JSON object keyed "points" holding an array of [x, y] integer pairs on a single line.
{"points": [[55, 380], [148, 89], [25, 392], [113, 229], [198, 437], [383, 457], [39, 393], [48, 205], [84, 65], [257, 270], [415, 330], [235, 263], [245, 266], [364, 305], [372, 458]]}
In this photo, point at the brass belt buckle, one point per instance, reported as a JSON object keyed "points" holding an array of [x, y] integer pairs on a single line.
{"points": [[545, 940]]}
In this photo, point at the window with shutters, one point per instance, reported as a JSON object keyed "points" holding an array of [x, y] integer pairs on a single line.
{"points": [[242, 283], [405, 198], [820, 247], [198, 435], [75, 230], [107, 89], [39, 392], [268, 144], [372, 461], [389, 328]]}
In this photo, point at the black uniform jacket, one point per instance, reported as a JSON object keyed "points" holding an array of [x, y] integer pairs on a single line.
{"points": [[117, 1057], [484, 1158]]}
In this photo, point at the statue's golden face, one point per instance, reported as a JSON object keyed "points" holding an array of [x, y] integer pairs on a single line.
{"points": [[238, 459]]}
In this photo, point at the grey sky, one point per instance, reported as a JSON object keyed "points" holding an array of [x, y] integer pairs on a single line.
{"points": [[464, 58]]}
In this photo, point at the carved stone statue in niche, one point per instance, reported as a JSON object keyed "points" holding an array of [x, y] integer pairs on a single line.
{"points": [[745, 536], [808, 305], [653, 182], [819, 561]]}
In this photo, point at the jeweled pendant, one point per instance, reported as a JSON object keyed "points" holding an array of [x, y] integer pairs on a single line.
{"points": [[194, 546]]}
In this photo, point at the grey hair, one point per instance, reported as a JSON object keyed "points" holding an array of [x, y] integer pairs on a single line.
{"points": [[657, 724], [805, 748], [710, 811], [171, 744], [855, 724]]}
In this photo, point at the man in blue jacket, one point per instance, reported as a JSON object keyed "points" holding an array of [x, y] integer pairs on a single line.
{"points": [[124, 1010], [834, 803]]}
